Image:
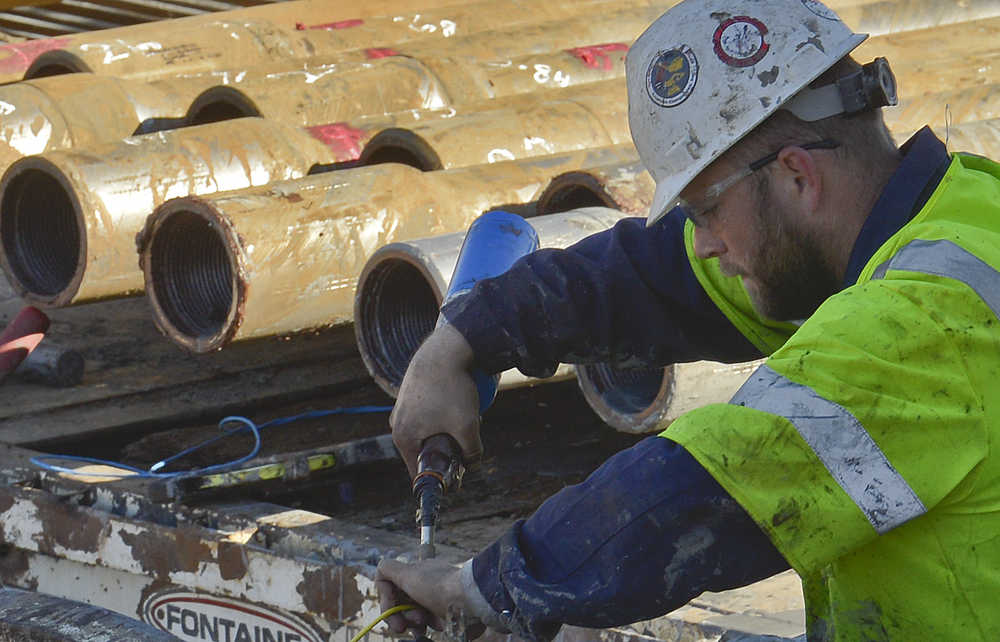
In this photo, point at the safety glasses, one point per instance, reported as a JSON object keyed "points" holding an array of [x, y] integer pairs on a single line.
{"points": [[697, 211]]}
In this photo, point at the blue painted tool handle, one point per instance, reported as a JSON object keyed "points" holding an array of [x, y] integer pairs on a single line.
{"points": [[493, 243]]}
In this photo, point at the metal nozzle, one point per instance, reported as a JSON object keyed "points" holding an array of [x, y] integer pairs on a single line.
{"points": [[439, 470]]}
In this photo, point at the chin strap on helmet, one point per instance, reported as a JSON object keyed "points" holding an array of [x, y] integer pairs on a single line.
{"points": [[872, 87]]}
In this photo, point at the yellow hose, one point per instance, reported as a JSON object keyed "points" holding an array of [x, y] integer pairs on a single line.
{"points": [[396, 609]]}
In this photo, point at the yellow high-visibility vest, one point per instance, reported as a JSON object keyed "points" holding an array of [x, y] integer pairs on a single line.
{"points": [[868, 445]]}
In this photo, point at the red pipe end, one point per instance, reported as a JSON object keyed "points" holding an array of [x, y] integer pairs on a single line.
{"points": [[20, 337]]}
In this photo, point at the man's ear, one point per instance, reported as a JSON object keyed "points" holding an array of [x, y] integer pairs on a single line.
{"points": [[799, 178]]}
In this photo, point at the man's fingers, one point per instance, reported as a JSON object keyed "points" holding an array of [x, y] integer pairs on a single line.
{"points": [[389, 596], [407, 446], [471, 444], [414, 620]]}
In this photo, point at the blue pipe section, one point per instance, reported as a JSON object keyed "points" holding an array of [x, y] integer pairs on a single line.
{"points": [[493, 243]]}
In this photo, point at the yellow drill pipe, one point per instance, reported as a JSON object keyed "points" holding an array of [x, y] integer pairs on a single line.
{"points": [[624, 186], [15, 59], [156, 52], [82, 110], [946, 45], [105, 192], [948, 107], [438, 80], [401, 83], [53, 113], [286, 257], [894, 16], [482, 71], [288, 29], [68, 219], [531, 125]]}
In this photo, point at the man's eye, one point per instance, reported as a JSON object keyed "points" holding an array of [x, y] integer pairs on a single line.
{"points": [[705, 214]]}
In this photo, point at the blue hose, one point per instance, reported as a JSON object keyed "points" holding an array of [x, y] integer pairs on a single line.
{"points": [[493, 243]]}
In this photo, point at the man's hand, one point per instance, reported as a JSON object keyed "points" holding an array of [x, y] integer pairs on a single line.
{"points": [[434, 585], [437, 395]]}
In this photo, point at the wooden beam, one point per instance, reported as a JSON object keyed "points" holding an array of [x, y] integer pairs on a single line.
{"points": [[14, 4]]}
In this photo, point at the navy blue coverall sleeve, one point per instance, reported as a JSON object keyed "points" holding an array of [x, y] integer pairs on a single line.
{"points": [[644, 534], [627, 296], [650, 529]]}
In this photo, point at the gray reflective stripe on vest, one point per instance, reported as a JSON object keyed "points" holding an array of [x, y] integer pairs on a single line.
{"points": [[843, 445], [944, 258]]}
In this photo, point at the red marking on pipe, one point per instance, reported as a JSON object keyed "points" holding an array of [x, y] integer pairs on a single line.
{"points": [[341, 138], [383, 52], [20, 337], [597, 56], [342, 24], [18, 57]]}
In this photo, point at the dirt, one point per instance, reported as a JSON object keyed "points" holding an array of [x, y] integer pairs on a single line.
{"points": [[536, 441], [143, 399]]}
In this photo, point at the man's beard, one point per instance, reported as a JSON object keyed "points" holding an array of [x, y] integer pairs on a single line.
{"points": [[790, 278]]}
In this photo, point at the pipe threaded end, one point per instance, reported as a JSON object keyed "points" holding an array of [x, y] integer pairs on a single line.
{"points": [[396, 309], [191, 278], [40, 233], [629, 399]]}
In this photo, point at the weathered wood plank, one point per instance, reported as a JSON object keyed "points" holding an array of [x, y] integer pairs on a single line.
{"points": [[183, 403], [135, 379]]}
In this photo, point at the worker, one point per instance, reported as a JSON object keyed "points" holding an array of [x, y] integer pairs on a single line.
{"points": [[786, 223]]}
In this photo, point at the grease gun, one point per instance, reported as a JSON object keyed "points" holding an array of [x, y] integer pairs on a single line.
{"points": [[493, 243]]}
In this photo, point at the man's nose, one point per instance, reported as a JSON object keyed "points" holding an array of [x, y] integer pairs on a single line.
{"points": [[706, 244]]}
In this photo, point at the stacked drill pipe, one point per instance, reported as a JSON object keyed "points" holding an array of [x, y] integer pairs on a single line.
{"points": [[45, 57], [80, 110], [944, 108], [402, 285], [531, 125], [83, 110], [51, 114], [462, 71], [449, 80], [299, 29], [286, 257], [394, 84], [623, 186], [68, 219], [55, 113], [939, 64], [152, 53], [945, 48], [894, 16]]}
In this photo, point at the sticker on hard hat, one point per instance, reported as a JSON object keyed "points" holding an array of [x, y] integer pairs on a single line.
{"points": [[820, 9], [739, 41], [671, 76]]}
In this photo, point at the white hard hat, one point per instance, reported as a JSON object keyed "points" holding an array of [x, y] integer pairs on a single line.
{"points": [[708, 71]]}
